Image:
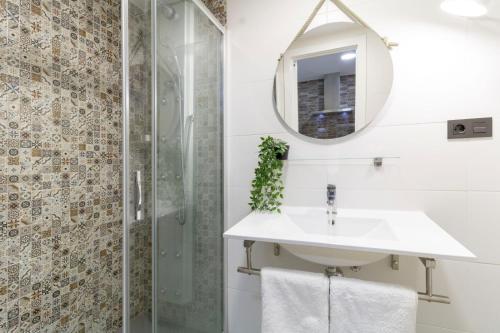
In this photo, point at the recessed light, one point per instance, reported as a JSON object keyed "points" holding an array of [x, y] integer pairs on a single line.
{"points": [[466, 8], [348, 56]]}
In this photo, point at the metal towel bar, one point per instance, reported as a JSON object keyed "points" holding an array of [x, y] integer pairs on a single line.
{"points": [[429, 264]]}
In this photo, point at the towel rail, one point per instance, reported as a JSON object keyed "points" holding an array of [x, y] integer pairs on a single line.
{"points": [[429, 264]]}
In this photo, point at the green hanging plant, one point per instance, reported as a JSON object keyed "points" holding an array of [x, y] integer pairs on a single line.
{"points": [[267, 186]]}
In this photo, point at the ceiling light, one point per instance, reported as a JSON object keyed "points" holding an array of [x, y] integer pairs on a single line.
{"points": [[348, 56], [466, 8]]}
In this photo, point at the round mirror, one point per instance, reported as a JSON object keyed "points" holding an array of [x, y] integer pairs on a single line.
{"points": [[334, 78]]}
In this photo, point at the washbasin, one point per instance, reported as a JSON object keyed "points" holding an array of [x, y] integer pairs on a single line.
{"points": [[314, 221], [358, 237]]}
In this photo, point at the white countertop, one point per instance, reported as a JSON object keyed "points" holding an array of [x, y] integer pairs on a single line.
{"points": [[410, 233]]}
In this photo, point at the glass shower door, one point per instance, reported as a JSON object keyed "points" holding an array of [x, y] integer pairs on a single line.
{"points": [[137, 167], [187, 170]]}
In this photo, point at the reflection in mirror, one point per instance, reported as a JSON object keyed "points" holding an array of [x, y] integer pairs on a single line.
{"points": [[327, 94], [334, 78]]}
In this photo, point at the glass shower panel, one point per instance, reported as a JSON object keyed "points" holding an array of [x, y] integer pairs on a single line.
{"points": [[138, 219], [188, 174]]}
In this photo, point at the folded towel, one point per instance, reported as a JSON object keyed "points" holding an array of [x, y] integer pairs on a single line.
{"points": [[294, 301], [358, 306]]}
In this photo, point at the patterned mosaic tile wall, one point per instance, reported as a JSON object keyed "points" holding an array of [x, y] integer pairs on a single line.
{"points": [[218, 8], [60, 165]]}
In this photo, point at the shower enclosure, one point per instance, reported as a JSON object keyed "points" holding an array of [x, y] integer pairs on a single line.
{"points": [[172, 152]]}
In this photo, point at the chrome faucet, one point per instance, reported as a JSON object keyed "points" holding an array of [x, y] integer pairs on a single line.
{"points": [[331, 193]]}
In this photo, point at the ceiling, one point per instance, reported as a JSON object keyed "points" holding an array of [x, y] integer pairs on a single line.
{"points": [[317, 67]]}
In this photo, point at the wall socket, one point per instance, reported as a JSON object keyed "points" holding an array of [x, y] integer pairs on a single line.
{"points": [[470, 128]]}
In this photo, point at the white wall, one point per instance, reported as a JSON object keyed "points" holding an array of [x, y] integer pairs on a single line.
{"points": [[446, 67]]}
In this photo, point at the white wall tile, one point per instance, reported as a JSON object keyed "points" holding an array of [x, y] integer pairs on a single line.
{"points": [[304, 197], [243, 155], [484, 174], [238, 208], [250, 113], [243, 311], [402, 174], [475, 295], [305, 176], [483, 226], [254, 47]]}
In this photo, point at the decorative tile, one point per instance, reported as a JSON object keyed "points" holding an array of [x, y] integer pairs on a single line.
{"points": [[218, 8], [60, 167], [60, 164]]}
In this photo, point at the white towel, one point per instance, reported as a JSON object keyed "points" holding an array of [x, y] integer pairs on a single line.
{"points": [[358, 306], [294, 301]]}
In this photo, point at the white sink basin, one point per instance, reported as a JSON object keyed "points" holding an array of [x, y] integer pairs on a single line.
{"points": [[314, 221], [359, 236]]}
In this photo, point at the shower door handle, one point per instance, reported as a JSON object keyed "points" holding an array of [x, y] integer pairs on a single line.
{"points": [[139, 206]]}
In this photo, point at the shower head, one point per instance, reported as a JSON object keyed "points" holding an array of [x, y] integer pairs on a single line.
{"points": [[168, 10]]}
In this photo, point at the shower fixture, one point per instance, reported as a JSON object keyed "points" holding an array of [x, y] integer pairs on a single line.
{"points": [[168, 10]]}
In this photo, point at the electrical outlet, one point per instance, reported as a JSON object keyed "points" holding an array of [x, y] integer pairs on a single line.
{"points": [[470, 128]]}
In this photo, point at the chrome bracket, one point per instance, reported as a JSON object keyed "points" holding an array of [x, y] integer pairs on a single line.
{"points": [[334, 271], [428, 295], [277, 249], [395, 262], [248, 269]]}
